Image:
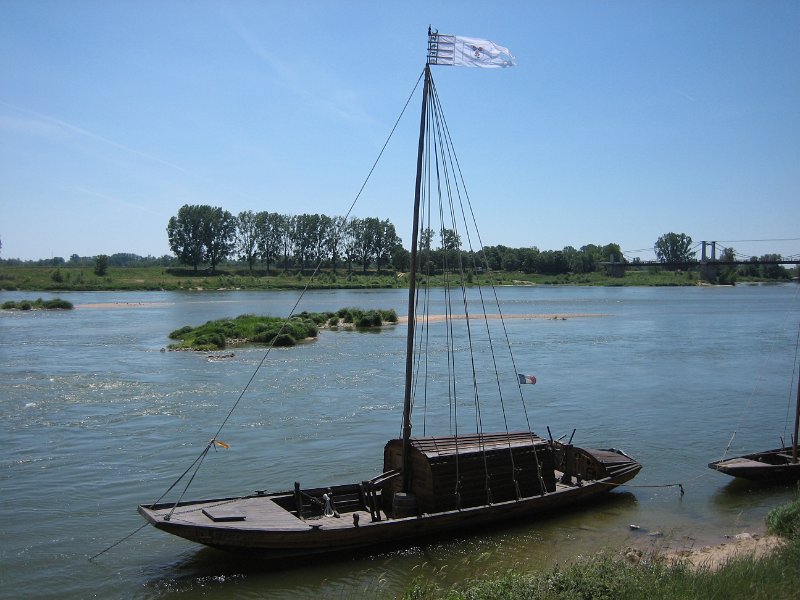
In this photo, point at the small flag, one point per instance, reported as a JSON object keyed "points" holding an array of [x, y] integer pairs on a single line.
{"points": [[526, 378], [458, 51], [221, 444]]}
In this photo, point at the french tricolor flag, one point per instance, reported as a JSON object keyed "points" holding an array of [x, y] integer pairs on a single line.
{"points": [[526, 378]]}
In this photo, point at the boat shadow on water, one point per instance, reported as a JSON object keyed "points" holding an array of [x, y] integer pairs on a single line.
{"points": [[742, 491]]}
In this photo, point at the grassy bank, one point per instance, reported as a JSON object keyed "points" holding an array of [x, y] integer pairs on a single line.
{"points": [[611, 576], [66, 278]]}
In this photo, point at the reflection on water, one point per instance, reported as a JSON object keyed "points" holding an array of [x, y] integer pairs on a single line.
{"points": [[738, 494], [96, 419]]}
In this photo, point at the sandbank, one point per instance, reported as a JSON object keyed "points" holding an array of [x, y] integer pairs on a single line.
{"points": [[552, 317], [107, 305], [712, 557]]}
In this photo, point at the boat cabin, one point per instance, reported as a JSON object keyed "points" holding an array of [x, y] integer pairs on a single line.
{"points": [[448, 473]]}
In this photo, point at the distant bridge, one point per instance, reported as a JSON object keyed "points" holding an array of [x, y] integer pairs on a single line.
{"points": [[708, 264]]}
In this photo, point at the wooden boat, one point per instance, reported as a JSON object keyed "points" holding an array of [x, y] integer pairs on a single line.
{"points": [[428, 485], [780, 464]]}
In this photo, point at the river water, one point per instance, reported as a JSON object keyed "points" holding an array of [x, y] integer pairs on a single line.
{"points": [[96, 419]]}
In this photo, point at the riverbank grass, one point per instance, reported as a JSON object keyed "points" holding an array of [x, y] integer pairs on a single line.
{"points": [[233, 277], [611, 576]]}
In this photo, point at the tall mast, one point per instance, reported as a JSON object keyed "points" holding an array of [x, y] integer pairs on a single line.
{"points": [[412, 287]]}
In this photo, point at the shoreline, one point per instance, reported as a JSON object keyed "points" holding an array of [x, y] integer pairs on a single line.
{"points": [[707, 554]]}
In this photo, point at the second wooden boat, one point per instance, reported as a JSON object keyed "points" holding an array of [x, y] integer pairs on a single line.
{"points": [[779, 464]]}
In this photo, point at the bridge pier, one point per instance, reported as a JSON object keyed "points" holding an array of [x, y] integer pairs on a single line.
{"points": [[708, 268], [615, 269]]}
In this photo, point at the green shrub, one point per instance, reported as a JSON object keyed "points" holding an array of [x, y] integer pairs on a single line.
{"points": [[785, 520], [209, 341], [284, 339], [348, 315], [57, 303], [266, 335], [371, 318], [390, 316], [311, 328], [181, 333]]}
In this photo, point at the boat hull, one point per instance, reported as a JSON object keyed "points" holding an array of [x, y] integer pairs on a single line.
{"points": [[260, 525], [773, 466]]}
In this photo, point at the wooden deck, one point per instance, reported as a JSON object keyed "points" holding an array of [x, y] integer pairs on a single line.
{"points": [[245, 513], [262, 513], [743, 462], [257, 513]]}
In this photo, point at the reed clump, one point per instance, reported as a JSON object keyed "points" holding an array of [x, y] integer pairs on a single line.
{"points": [[785, 520], [611, 576], [366, 318]]}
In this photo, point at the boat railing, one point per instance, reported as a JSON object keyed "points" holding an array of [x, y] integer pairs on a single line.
{"points": [[372, 487]]}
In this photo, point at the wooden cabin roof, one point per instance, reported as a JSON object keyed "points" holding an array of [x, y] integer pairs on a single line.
{"points": [[433, 447]]}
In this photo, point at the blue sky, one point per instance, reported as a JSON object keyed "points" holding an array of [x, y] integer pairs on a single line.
{"points": [[622, 121]]}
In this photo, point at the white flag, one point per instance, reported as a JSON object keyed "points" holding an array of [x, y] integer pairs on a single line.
{"points": [[460, 51]]}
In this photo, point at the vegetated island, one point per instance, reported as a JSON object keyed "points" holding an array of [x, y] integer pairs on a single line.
{"points": [[253, 329], [38, 304], [738, 569]]}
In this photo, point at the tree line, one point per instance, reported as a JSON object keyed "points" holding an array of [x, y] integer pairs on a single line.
{"points": [[202, 234], [120, 259], [205, 235]]}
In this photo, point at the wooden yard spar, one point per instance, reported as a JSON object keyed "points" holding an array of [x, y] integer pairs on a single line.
{"points": [[429, 485]]}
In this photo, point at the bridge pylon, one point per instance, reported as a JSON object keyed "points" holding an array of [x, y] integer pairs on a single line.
{"points": [[708, 267]]}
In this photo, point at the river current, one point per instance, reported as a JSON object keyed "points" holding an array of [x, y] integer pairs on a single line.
{"points": [[95, 418]]}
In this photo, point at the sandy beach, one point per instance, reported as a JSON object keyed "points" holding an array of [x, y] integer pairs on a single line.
{"points": [[709, 556]]}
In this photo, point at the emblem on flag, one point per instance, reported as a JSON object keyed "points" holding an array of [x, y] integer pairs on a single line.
{"points": [[460, 51], [526, 378]]}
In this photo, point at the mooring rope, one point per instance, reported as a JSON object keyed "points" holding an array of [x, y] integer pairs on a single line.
{"points": [[645, 485]]}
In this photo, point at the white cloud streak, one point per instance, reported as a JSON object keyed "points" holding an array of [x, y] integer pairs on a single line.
{"points": [[47, 126]]}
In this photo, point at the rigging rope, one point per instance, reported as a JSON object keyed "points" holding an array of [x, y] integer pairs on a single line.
{"points": [[293, 310], [450, 185], [197, 463]]}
